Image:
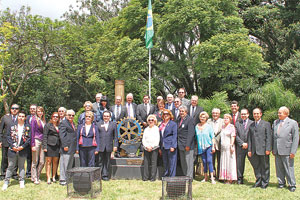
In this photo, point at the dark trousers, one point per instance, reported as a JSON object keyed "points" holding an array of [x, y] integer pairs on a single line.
{"points": [[150, 162], [261, 166], [217, 155], [29, 160], [104, 161], [4, 161], [87, 156], [240, 162], [170, 162]]}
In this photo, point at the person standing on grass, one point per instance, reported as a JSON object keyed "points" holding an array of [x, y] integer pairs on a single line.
{"points": [[38, 155], [18, 138], [67, 135], [259, 147], [285, 143]]}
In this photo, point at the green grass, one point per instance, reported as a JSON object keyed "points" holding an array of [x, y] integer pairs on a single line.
{"points": [[137, 189]]}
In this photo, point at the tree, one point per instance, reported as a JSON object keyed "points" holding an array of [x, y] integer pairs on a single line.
{"points": [[271, 97]]}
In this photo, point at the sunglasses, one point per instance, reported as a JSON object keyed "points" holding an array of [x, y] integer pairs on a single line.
{"points": [[88, 106], [15, 108], [180, 92], [151, 120], [71, 115], [165, 113], [61, 111], [55, 116], [88, 116]]}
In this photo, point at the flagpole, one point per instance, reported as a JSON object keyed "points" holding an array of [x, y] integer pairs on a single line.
{"points": [[150, 74]]}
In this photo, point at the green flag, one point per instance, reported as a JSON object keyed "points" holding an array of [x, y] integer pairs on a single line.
{"points": [[149, 27]]}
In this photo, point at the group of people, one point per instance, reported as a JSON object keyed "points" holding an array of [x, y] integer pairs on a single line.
{"points": [[176, 131]]}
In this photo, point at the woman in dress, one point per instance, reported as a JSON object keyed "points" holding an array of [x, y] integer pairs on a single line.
{"points": [[87, 141], [228, 161], [205, 136], [168, 143], [150, 143], [51, 145], [37, 128]]}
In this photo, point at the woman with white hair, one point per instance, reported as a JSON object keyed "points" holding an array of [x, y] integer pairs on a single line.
{"points": [[150, 143]]}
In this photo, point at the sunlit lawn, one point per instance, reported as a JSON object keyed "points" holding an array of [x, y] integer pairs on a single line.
{"points": [[137, 189]]}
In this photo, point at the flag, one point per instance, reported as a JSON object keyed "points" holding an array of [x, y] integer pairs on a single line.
{"points": [[149, 27]]}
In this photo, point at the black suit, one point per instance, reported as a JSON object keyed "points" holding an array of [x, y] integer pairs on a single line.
{"points": [[122, 113], [6, 123], [241, 137], [238, 118], [28, 148], [50, 137], [196, 113], [108, 139], [174, 112], [259, 141]]}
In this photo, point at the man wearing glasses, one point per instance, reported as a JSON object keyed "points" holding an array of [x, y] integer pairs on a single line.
{"points": [[6, 122], [67, 135], [181, 95]]}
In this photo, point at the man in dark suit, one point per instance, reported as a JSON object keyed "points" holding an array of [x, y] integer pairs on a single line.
{"points": [[259, 147], [108, 143], [130, 106], [194, 110], [67, 135], [186, 135], [144, 110], [285, 143], [170, 102], [32, 110], [6, 122], [241, 139], [235, 114], [175, 111], [118, 110]]}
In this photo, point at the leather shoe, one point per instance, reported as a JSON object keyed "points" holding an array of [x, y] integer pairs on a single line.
{"points": [[292, 189], [240, 182], [280, 186], [105, 179]]}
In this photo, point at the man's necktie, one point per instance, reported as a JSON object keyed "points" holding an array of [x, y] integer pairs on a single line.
{"points": [[118, 112]]}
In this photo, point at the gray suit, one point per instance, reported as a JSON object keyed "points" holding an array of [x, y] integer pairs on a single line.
{"points": [[196, 114], [141, 112], [241, 137], [259, 141], [122, 113], [95, 107], [285, 142]]}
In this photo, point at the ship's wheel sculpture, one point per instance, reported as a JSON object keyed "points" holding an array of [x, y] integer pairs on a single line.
{"points": [[130, 134]]}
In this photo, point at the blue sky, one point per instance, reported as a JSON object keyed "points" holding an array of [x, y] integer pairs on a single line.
{"points": [[46, 8]]}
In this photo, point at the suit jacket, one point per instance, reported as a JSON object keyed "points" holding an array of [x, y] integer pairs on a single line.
{"points": [[217, 130], [5, 123], [174, 114], [12, 139], [134, 107], [168, 139], [286, 141], [196, 113], [259, 138], [108, 138], [87, 140], [242, 133], [29, 119], [51, 136], [67, 135], [122, 114], [186, 133], [95, 107], [167, 106], [238, 119], [141, 112]]}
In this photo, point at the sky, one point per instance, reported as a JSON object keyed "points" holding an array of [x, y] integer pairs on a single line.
{"points": [[53, 9]]}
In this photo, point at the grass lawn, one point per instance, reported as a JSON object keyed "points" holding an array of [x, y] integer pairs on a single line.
{"points": [[137, 189]]}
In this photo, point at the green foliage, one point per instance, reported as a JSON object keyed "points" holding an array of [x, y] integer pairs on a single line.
{"points": [[271, 97], [217, 100]]}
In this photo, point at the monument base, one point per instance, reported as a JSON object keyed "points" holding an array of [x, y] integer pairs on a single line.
{"points": [[130, 168]]}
